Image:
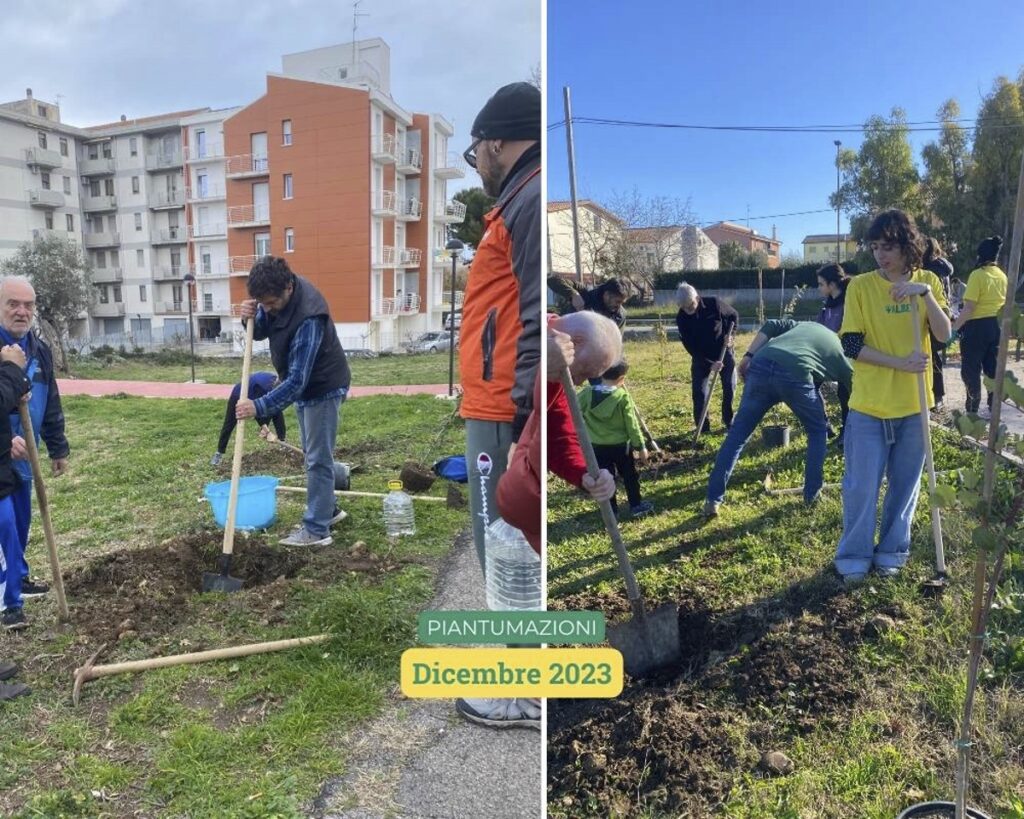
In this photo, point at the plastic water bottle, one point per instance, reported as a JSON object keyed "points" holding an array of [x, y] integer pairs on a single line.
{"points": [[513, 570], [398, 515]]}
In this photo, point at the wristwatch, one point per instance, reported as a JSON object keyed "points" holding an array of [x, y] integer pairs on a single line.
{"points": [[927, 290]]}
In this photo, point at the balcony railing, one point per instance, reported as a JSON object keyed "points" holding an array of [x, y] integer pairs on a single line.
{"points": [[383, 256], [409, 257], [167, 199], [111, 309], [241, 216], [41, 198], [216, 230], [42, 158], [107, 239], [450, 211], [172, 307], [100, 166], [241, 265], [383, 148], [243, 165], [381, 308], [168, 272], [384, 203], [220, 308], [446, 299], [450, 166], [213, 270], [163, 160], [408, 303], [410, 161], [410, 209], [208, 194], [169, 236], [100, 275], [211, 150], [94, 204]]}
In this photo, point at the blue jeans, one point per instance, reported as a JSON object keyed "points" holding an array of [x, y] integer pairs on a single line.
{"points": [[318, 427], [873, 447], [768, 384]]}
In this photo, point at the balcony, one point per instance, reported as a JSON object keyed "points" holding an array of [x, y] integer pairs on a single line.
{"points": [[410, 210], [382, 257], [168, 273], [247, 216], [96, 240], [165, 200], [211, 193], [170, 307], [384, 308], [446, 299], [212, 308], [450, 166], [213, 270], [246, 165], [410, 161], [42, 158], [102, 275], [408, 304], [384, 149], [98, 204], [40, 198], [102, 166], [409, 257], [452, 212], [163, 161], [216, 230], [206, 153], [108, 310], [241, 265], [384, 203], [169, 236]]}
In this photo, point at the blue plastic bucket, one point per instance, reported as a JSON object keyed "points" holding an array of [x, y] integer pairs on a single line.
{"points": [[257, 501]]}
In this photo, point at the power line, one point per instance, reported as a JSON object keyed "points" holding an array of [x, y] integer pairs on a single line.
{"points": [[917, 126], [772, 216]]}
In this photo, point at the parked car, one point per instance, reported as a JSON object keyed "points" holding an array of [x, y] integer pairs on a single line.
{"points": [[448, 320], [431, 342]]}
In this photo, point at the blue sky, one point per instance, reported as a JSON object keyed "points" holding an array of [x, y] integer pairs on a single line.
{"points": [[752, 63]]}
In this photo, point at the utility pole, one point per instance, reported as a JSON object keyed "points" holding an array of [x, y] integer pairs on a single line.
{"points": [[572, 184], [838, 256]]}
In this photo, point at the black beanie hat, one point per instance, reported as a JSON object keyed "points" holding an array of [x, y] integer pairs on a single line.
{"points": [[988, 250], [512, 113]]}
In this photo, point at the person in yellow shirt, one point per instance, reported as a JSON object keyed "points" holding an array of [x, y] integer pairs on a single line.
{"points": [[883, 430], [978, 322]]}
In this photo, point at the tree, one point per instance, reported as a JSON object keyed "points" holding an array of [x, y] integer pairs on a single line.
{"points": [[791, 260], [945, 185], [60, 275], [732, 255], [477, 204]]}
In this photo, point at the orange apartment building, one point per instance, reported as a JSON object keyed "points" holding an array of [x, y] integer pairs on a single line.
{"points": [[747, 238]]}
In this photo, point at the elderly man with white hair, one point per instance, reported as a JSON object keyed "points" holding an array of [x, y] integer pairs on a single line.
{"points": [[17, 314], [705, 328]]}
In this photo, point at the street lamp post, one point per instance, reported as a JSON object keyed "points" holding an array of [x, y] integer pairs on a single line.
{"points": [[838, 255], [454, 247], [189, 281]]}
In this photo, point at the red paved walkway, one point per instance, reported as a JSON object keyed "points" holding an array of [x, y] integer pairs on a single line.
{"points": [[164, 389]]}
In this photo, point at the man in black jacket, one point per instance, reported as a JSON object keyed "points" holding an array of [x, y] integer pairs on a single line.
{"points": [[606, 299], [705, 328], [314, 375]]}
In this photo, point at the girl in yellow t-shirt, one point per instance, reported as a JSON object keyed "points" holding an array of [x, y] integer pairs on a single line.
{"points": [[883, 430], [978, 322]]}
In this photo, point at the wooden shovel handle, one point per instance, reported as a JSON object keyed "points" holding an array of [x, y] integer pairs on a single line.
{"points": [[236, 462]]}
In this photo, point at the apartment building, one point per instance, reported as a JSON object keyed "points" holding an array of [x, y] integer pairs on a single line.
{"points": [[673, 247], [750, 240], [601, 235], [821, 247]]}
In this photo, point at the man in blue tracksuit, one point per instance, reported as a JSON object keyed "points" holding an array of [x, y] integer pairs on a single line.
{"points": [[17, 312]]}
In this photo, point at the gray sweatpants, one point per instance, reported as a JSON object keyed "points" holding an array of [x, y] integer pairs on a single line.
{"points": [[487, 444]]}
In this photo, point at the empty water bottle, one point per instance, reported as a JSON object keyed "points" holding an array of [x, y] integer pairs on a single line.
{"points": [[398, 514], [513, 570]]}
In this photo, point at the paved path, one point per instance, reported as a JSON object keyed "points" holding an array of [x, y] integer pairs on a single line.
{"points": [[956, 395], [170, 389]]}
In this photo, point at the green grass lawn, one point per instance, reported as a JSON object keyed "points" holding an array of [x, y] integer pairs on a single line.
{"points": [[779, 657], [174, 366], [253, 737]]}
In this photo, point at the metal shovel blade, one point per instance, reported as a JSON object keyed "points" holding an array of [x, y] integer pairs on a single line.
{"points": [[222, 582], [649, 641]]}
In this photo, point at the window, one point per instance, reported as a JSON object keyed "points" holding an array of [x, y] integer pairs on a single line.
{"points": [[115, 258], [94, 187], [70, 222], [48, 218], [289, 240], [112, 223], [287, 186], [133, 146], [117, 294], [138, 221], [262, 241], [202, 185], [135, 184], [286, 132], [142, 291], [200, 144], [140, 258], [107, 150], [813, 251], [101, 259], [44, 179], [206, 259], [108, 187], [104, 294], [67, 185], [42, 139], [43, 112], [94, 151], [63, 146]]}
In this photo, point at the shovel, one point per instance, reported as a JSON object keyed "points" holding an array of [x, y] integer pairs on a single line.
{"points": [[711, 389], [649, 640], [224, 582], [937, 583]]}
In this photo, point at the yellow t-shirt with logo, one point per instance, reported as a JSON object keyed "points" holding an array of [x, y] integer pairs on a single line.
{"points": [[883, 392], [986, 286]]}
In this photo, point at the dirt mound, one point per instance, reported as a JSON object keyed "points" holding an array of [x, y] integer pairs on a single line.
{"points": [[270, 460]]}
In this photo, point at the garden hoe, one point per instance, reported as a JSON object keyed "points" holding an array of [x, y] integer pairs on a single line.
{"points": [[224, 582], [711, 389], [650, 639], [938, 583]]}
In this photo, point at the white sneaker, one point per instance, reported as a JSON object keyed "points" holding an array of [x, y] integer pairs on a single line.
{"points": [[303, 537], [501, 713]]}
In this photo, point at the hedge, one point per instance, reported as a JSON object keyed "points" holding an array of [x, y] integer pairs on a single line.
{"points": [[745, 278]]}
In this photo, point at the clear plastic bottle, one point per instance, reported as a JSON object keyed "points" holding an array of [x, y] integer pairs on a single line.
{"points": [[513, 570], [398, 515]]}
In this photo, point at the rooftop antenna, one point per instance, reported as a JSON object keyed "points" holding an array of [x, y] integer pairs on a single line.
{"points": [[356, 14]]}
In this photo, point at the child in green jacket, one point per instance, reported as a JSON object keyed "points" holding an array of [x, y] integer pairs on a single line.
{"points": [[614, 429]]}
